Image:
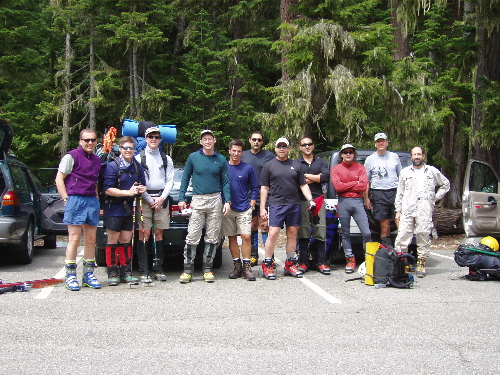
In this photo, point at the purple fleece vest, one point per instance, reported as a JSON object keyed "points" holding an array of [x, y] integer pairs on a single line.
{"points": [[83, 178]]}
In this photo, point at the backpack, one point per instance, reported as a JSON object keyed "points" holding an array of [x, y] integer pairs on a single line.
{"points": [[390, 268], [105, 160], [480, 260], [164, 159]]}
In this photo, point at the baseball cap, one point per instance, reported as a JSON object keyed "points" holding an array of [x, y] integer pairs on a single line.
{"points": [[152, 130], [206, 131], [347, 145], [380, 136], [282, 140]]}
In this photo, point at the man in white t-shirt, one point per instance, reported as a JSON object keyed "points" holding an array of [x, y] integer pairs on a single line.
{"points": [[382, 170], [415, 199]]}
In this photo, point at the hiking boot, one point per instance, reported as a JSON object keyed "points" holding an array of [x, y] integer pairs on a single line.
{"points": [[238, 270], [247, 271], [268, 271], [303, 267], [324, 269], [71, 282], [185, 278], [113, 279], [89, 280], [127, 277], [350, 264], [208, 277], [421, 267], [160, 276], [254, 258], [291, 269], [145, 279]]}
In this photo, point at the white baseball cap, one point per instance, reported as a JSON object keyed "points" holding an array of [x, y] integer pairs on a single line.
{"points": [[282, 140]]}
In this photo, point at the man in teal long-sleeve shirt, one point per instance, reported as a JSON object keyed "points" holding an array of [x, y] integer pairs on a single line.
{"points": [[208, 171]]}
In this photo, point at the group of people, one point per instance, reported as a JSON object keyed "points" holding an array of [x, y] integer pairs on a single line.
{"points": [[254, 189]]}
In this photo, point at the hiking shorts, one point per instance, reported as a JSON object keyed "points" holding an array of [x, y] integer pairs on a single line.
{"points": [[162, 217], [119, 223], [236, 223], [81, 210], [383, 203], [280, 214]]}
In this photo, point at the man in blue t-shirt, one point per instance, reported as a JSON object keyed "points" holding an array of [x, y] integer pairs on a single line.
{"points": [[238, 221], [279, 183]]}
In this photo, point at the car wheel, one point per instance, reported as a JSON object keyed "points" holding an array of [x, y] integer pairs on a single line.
{"points": [[24, 254], [100, 257], [50, 242]]}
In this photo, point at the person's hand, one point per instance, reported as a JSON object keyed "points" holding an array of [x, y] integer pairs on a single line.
{"points": [[181, 205], [396, 218], [368, 204], [226, 208], [263, 213]]}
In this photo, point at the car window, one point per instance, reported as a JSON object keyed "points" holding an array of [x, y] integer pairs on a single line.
{"points": [[483, 179], [38, 184], [178, 178], [19, 179]]}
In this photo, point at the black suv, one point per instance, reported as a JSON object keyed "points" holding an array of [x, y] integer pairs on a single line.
{"points": [[28, 211]]}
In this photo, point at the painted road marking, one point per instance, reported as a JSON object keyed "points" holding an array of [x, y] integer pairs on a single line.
{"points": [[45, 292], [316, 288], [443, 256]]}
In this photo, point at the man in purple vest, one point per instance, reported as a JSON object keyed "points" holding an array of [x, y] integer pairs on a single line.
{"points": [[76, 183]]}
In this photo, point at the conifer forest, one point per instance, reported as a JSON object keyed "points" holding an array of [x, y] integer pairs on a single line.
{"points": [[426, 72]]}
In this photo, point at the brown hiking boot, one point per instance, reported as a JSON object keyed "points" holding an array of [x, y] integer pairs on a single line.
{"points": [[237, 272], [350, 264], [421, 267], [247, 271]]}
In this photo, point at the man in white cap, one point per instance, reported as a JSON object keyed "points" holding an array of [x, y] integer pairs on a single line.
{"points": [[382, 170], [159, 172], [279, 182], [349, 180], [208, 171]]}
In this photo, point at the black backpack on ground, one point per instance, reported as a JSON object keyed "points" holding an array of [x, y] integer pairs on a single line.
{"points": [[390, 268]]}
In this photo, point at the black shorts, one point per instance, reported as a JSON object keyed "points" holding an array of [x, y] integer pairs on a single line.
{"points": [[119, 223], [383, 203]]}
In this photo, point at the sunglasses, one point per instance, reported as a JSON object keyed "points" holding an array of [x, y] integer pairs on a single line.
{"points": [[348, 152], [89, 140], [154, 137], [306, 144], [127, 148], [281, 147], [257, 139]]}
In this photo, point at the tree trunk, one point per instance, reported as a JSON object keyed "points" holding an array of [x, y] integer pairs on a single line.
{"points": [[91, 80], [287, 16], [67, 96], [402, 48]]}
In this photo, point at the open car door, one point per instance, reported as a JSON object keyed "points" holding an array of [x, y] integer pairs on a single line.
{"points": [[480, 207]]}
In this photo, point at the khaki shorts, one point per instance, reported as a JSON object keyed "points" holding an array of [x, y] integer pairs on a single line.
{"points": [[162, 218], [235, 223]]}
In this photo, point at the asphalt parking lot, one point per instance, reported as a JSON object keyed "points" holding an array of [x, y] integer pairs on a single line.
{"points": [[315, 325]]}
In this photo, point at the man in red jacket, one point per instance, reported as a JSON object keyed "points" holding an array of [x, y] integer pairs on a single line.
{"points": [[350, 181]]}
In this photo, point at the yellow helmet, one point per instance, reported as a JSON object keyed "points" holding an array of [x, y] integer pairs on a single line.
{"points": [[490, 242]]}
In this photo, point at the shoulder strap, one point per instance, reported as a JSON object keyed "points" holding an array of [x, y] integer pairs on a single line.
{"points": [[165, 161], [142, 153]]}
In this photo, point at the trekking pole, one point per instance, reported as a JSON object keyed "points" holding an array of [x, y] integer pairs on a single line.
{"points": [[153, 229], [148, 280], [132, 240]]}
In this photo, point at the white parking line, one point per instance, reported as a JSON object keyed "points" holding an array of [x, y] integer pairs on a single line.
{"points": [[45, 292], [443, 256], [310, 284]]}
